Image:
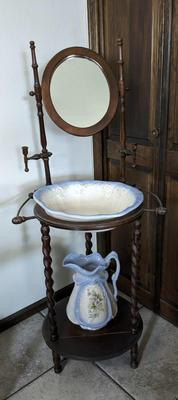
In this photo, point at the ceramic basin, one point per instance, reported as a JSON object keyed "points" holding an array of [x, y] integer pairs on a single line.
{"points": [[88, 200]]}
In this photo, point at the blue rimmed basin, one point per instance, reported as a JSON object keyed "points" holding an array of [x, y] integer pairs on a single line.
{"points": [[88, 200]]}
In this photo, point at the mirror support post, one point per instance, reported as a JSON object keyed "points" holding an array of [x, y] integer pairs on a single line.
{"points": [[124, 151], [122, 112], [37, 93]]}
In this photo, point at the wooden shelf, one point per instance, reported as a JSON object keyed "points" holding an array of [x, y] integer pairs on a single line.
{"points": [[87, 226], [77, 343], [69, 340]]}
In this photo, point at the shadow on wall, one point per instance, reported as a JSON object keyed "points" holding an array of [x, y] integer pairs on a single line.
{"points": [[59, 251], [16, 253], [25, 189]]}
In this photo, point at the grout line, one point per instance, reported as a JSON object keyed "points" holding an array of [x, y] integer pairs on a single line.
{"points": [[42, 314], [116, 383], [33, 380]]}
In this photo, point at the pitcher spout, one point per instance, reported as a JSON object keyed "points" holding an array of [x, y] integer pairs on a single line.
{"points": [[85, 265]]}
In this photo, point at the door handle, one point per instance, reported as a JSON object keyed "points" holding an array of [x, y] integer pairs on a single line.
{"points": [[155, 133]]}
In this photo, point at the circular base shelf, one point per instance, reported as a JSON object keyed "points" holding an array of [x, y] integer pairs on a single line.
{"points": [[87, 226], [77, 343]]}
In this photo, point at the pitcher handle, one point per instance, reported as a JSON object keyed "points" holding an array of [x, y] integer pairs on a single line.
{"points": [[108, 258]]}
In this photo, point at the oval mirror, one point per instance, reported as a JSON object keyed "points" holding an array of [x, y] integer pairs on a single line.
{"points": [[79, 91]]}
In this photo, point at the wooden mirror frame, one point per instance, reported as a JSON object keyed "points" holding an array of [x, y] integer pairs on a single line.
{"points": [[46, 95]]}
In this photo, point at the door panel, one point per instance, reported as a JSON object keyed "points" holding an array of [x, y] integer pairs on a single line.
{"points": [[170, 255], [140, 24], [169, 287]]}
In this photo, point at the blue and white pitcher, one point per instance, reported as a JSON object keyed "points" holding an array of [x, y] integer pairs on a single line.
{"points": [[92, 303]]}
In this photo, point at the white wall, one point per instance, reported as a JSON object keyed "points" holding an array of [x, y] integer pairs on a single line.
{"points": [[53, 25]]}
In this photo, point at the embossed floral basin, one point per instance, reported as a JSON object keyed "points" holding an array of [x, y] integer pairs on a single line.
{"points": [[88, 200]]}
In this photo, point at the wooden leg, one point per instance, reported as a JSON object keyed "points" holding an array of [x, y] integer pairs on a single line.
{"points": [[57, 362], [47, 260], [88, 243], [134, 356], [134, 279]]}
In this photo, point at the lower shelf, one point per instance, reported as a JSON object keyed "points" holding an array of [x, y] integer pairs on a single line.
{"points": [[77, 343]]}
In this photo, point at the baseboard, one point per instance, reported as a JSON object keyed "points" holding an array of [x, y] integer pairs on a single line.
{"points": [[144, 296], [166, 310], [32, 309], [169, 312]]}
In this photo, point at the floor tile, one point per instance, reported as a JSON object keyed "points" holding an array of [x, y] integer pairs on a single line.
{"points": [[23, 355], [157, 375], [78, 381]]}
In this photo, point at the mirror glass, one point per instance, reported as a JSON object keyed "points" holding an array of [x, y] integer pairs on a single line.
{"points": [[79, 91]]}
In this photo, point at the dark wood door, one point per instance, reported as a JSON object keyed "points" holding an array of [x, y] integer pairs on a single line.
{"points": [[145, 27], [169, 283]]}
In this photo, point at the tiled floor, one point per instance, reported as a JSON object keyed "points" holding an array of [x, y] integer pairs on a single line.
{"points": [[26, 367]]}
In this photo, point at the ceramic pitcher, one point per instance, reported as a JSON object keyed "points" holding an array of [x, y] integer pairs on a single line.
{"points": [[92, 303]]}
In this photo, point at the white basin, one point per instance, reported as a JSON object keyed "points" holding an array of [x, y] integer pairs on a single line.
{"points": [[88, 200]]}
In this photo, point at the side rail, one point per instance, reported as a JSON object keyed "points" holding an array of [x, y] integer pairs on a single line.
{"points": [[19, 219]]}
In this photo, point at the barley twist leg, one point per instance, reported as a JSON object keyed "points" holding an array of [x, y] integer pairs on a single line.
{"points": [[88, 243], [134, 279], [47, 261]]}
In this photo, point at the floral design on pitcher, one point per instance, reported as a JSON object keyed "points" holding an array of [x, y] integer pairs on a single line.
{"points": [[96, 303]]}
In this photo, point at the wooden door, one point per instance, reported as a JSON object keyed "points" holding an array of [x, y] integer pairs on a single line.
{"points": [[145, 28], [169, 281]]}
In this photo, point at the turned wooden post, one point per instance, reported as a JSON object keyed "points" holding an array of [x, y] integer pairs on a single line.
{"points": [[134, 279], [122, 111], [38, 96], [47, 261], [57, 362]]}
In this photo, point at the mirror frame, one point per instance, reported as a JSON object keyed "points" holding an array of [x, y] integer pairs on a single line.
{"points": [[46, 95]]}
